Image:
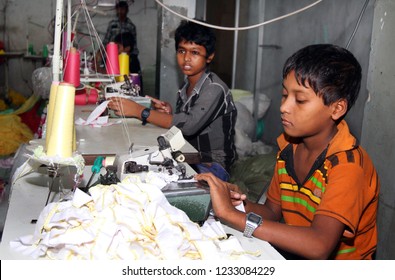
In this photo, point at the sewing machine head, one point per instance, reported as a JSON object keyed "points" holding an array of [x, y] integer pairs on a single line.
{"points": [[165, 158], [128, 90], [124, 88], [167, 161]]}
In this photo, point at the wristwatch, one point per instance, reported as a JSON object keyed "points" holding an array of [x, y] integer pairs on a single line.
{"points": [[144, 115], [253, 221]]}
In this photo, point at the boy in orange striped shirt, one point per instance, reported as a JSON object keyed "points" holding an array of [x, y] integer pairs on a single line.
{"points": [[325, 187]]}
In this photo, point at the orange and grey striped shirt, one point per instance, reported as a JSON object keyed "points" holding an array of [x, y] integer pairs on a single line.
{"points": [[342, 184]]}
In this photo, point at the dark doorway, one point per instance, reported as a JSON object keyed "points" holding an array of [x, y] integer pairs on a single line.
{"points": [[222, 13]]}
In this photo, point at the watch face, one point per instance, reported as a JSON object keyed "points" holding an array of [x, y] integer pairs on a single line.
{"points": [[256, 219], [145, 113]]}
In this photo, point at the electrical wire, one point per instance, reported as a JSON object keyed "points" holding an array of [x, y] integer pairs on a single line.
{"points": [[357, 24], [238, 28]]}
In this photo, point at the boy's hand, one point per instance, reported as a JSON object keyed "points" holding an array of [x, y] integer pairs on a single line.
{"points": [[124, 107], [160, 106], [224, 196], [236, 194]]}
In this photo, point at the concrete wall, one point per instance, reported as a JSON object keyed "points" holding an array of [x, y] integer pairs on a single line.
{"points": [[378, 131], [168, 73], [23, 22], [327, 22]]}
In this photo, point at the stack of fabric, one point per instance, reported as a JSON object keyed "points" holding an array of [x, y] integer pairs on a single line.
{"points": [[130, 220]]}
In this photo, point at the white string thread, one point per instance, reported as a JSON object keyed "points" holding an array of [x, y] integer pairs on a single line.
{"points": [[93, 34]]}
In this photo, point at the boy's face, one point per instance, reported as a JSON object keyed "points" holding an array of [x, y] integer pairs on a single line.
{"points": [[303, 113], [192, 58], [121, 13]]}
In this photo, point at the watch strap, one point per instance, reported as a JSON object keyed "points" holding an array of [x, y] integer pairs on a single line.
{"points": [[144, 115], [249, 230]]}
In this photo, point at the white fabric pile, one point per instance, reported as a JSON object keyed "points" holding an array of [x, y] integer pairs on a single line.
{"points": [[130, 220]]}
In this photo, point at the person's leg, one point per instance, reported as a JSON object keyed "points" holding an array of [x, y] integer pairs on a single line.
{"points": [[134, 64]]}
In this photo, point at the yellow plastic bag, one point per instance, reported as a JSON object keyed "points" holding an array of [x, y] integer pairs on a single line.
{"points": [[13, 132]]}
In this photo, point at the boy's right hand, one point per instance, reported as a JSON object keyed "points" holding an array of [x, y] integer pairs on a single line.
{"points": [[224, 196], [124, 107], [160, 106]]}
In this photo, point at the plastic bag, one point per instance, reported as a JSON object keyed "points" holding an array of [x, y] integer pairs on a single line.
{"points": [[42, 80]]}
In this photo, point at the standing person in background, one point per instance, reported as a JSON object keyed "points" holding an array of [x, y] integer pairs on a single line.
{"points": [[121, 25], [126, 43], [205, 111]]}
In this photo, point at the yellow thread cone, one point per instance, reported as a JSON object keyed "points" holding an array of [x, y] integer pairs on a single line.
{"points": [[123, 66], [62, 131], [50, 109]]}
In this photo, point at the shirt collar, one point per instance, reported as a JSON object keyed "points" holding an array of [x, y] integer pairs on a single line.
{"points": [[198, 85], [342, 141]]}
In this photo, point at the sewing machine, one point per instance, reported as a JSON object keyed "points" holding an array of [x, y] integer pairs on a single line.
{"points": [[167, 162], [165, 158], [128, 90]]}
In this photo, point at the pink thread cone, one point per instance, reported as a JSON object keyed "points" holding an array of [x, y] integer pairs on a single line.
{"points": [[72, 67], [112, 63]]}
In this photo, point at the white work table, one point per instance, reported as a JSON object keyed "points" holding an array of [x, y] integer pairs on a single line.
{"points": [[117, 138]]}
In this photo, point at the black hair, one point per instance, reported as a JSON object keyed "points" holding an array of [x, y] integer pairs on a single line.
{"points": [[331, 71], [126, 39], [122, 4], [195, 33]]}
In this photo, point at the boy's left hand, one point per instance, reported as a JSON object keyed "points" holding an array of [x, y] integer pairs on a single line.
{"points": [[160, 106]]}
